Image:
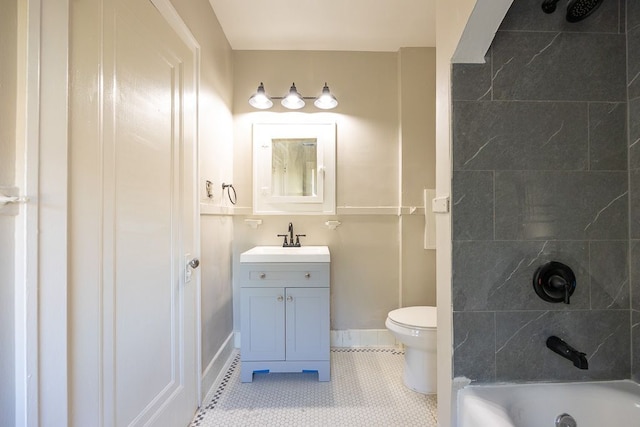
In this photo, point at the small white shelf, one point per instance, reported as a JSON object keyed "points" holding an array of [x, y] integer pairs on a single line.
{"points": [[253, 223], [332, 225]]}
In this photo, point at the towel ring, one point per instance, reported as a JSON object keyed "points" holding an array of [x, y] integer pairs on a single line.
{"points": [[235, 196]]}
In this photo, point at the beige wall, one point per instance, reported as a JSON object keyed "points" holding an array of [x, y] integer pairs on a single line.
{"points": [[8, 81], [418, 163], [367, 117], [385, 148]]}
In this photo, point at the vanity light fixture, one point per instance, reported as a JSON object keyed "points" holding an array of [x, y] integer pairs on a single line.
{"points": [[260, 99], [293, 100], [326, 101]]}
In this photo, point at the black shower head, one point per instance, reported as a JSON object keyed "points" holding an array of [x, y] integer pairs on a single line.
{"points": [[549, 6], [577, 10]]}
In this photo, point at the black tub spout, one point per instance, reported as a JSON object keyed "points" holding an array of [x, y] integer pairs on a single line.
{"points": [[578, 358]]}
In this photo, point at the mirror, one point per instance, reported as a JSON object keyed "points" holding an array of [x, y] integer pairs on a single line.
{"points": [[294, 165], [293, 168]]}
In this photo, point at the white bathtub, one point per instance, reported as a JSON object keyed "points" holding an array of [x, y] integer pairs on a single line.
{"points": [[591, 404]]}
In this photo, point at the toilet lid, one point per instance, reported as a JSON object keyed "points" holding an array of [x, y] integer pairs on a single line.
{"points": [[420, 316]]}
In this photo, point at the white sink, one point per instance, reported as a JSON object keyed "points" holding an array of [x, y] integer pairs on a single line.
{"points": [[282, 254]]}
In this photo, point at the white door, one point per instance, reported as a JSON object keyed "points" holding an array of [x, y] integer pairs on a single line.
{"points": [[149, 218]]}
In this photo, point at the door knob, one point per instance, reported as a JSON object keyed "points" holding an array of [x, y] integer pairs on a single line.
{"points": [[190, 265]]}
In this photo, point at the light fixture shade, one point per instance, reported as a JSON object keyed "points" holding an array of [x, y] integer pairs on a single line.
{"points": [[260, 99], [293, 101], [326, 101]]}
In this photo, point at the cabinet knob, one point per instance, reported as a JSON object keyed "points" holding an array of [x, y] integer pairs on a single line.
{"points": [[280, 298], [307, 275], [289, 298], [263, 275]]}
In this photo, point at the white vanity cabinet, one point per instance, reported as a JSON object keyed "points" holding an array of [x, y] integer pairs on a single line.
{"points": [[284, 318]]}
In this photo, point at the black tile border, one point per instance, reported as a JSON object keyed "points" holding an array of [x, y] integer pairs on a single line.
{"points": [[202, 412]]}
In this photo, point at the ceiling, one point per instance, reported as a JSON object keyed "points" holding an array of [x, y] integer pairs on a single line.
{"points": [[341, 25]]}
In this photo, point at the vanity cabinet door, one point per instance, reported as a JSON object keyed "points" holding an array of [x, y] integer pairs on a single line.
{"points": [[262, 324], [307, 318]]}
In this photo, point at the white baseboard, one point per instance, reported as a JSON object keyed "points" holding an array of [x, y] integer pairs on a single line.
{"points": [[363, 338], [353, 338], [216, 367]]}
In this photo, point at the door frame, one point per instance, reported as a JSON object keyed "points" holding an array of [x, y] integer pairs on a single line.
{"points": [[26, 242], [41, 227]]}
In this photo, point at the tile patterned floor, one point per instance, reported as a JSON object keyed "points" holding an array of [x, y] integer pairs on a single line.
{"points": [[365, 390]]}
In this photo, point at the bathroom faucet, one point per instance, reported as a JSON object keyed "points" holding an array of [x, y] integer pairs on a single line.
{"points": [[291, 233], [565, 350], [291, 243]]}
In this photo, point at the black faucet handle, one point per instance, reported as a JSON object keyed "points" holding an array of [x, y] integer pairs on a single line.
{"points": [[561, 284], [554, 282], [285, 239], [298, 236]]}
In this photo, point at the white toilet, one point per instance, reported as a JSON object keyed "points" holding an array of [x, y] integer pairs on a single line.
{"points": [[415, 327]]}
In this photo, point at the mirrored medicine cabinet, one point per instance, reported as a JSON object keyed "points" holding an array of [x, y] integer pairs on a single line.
{"points": [[294, 168]]}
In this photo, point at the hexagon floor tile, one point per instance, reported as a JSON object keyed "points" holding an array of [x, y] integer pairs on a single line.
{"points": [[366, 389]]}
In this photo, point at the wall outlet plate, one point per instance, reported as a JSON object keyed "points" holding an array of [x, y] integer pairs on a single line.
{"points": [[440, 204]]}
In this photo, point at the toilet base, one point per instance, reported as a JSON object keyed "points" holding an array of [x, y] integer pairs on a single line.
{"points": [[420, 372]]}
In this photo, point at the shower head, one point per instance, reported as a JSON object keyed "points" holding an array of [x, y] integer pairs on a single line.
{"points": [[577, 10], [549, 6]]}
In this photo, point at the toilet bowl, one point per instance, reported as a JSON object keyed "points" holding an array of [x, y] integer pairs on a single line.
{"points": [[415, 327]]}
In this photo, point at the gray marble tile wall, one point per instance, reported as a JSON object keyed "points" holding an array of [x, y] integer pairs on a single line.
{"points": [[540, 173], [633, 93]]}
